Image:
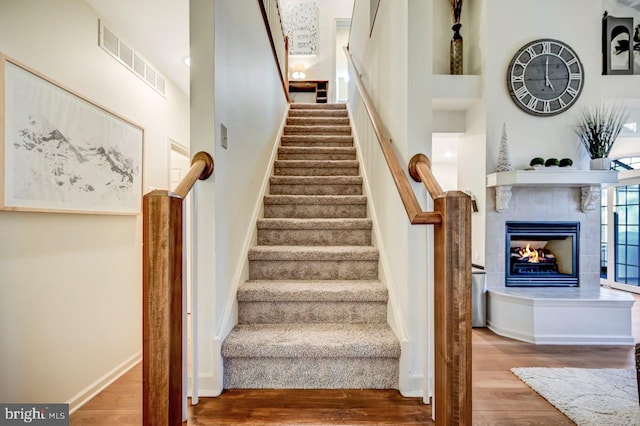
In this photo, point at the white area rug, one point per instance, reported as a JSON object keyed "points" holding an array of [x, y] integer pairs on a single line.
{"points": [[587, 396]]}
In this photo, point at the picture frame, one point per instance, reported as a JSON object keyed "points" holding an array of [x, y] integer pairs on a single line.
{"points": [[61, 152], [617, 46], [300, 18]]}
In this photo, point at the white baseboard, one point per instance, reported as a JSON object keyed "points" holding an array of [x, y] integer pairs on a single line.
{"points": [[208, 387], [85, 395]]}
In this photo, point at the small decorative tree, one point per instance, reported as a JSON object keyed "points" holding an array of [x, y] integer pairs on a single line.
{"points": [[504, 158]]}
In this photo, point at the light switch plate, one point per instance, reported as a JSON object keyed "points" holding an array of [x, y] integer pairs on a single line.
{"points": [[223, 136]]}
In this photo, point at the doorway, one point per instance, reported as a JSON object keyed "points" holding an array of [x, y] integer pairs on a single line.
{"points": [[341, 82], [179, 165]]}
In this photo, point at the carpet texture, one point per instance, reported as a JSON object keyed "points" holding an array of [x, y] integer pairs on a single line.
{"points": [[587, 396], [313, 313]]}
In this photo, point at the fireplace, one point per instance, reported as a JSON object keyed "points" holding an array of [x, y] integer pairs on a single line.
{"points": [[542, 254]]}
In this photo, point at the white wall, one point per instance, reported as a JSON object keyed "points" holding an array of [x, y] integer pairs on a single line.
{"points": [[249, 100], [531, 136], [322, 66], [70, 299], [202, 75], [401, 94]]}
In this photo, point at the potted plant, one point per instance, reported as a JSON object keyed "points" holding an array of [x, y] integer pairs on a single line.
{"points": [[537, 162], [598, 128], [551, 162], [566, 162]]}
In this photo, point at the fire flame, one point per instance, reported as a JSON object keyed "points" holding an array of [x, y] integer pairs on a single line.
{"points": [[532, 256]]}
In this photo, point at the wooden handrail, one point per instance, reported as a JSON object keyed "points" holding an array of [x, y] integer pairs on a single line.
{"points": [[201, 169], [162, 225], [408, 197], [284, 74], [420, 171], [452, 271]]}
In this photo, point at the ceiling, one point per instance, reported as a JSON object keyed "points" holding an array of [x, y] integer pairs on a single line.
{"points": [[156, 29]]}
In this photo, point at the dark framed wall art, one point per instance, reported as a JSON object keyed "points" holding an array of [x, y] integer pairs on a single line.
{"points": [[61, 152]]}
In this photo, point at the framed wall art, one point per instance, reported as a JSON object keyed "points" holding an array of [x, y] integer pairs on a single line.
{"points": [[300, 19], [60, 152], [618, 45]]}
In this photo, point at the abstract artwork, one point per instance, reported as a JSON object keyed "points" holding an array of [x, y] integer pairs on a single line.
{"points": [[63, 153], [300, 20]]}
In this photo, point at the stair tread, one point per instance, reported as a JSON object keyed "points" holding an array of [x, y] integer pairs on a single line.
{"points": [[318, 121], [315, 199], [312, 291], [328, 138], [321, 253], [317, 163], [318, 113], [315, 223], [316, 150], [303, 105], [311, 341], [310, 180], [331, 127]]}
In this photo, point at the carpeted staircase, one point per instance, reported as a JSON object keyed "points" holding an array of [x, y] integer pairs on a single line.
{"points": [[313, 312]]}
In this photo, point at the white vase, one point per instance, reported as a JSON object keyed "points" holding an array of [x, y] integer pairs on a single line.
{"points": [[601, 164]]}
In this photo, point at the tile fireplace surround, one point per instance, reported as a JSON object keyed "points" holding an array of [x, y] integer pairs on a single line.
{"points": [[584, 315]]}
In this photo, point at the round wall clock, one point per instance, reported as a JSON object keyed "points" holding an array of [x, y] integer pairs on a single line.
{"points": [[545, 77]]}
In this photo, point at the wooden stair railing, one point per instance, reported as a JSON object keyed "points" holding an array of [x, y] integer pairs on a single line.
{"points": [[452, 271], [272, 18], [162, 297]]}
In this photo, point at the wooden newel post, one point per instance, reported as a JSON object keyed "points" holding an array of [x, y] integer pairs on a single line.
{"points": [[162, 309], [452, 241]]}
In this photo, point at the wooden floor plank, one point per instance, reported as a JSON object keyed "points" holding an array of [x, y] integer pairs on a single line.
{"points": [[499, 397]]}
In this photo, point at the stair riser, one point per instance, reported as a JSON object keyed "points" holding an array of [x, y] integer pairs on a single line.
{"points": [[341, 107], [316, 156], [311, 141], [324, 237], [315, 211], [313, 270], [316, 171], [314, 130], [318, 121], [316, 189], [306, 373], [312, 312], [318, 113]]}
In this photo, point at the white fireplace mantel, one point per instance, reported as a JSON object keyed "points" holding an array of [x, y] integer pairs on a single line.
{"points": [[589, 182]]}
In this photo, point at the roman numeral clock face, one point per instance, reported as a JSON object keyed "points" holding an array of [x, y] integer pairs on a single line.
{"points": [[545, 77]]}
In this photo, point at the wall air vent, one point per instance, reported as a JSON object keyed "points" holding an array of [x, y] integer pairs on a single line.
{"points": [[128, 57]]}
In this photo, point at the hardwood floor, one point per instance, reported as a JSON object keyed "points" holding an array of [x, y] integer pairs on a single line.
{"points": [[499, 398]]}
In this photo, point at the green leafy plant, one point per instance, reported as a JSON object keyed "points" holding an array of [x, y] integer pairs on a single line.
{"points": [[537, 161], [598, 128], [551, 162], [566, 162]]}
